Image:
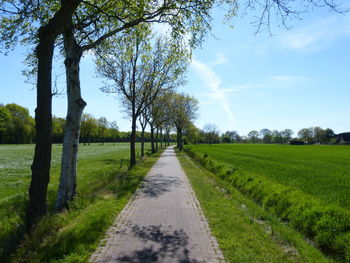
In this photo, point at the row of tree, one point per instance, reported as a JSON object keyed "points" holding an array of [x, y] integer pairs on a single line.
{"points": [[138, 68], [18, 127], [75, 27], [211, 134]]}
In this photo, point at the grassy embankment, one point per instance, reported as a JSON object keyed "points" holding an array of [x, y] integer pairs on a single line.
{"points": [[245, 232], [104, 187], [306, 186]]}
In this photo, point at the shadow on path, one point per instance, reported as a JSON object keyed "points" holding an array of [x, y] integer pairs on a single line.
{"points": [[166, 244], [158, 184]]}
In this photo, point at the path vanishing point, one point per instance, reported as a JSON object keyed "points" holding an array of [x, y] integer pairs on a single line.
{"points": [[162, 223]]}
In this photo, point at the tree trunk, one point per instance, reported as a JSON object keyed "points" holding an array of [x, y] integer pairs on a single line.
{"points": [[157, 135], [152, 139], [143, 142], [161, 138], [43, 113], [132, 142], [179, 139], [68, 179], [168, 137], [43, 124]]}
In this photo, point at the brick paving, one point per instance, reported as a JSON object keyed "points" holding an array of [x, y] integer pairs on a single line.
{"points": [[162, 223]]}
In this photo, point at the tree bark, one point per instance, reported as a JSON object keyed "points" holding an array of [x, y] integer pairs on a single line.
{"points": [[161, 138], [179, 139], [43, 114], [157, 135], [152, 140], [43, 124], [143, 142], [132, 142], [68, 179]]}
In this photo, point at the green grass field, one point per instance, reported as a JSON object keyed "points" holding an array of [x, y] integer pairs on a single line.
{"points": [[244, 231], [103, 189], [307, 187], [322, 171]]}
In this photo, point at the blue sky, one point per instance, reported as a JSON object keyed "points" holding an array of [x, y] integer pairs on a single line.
{"points": [[295, 79]]}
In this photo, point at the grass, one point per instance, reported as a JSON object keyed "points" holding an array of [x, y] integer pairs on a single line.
{"points": [[279, 192], [319, 170], [245, 232], [104, 188]]}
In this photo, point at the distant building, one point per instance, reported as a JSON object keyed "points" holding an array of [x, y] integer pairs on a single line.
{"points": [[343, 138]]}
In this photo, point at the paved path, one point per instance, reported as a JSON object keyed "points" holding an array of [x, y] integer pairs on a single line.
{"points": [[163, 222]]}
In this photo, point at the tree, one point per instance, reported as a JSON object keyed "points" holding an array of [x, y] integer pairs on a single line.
{"points": [[318, 134], [276, 136], [139, 71], [21, 128], [113, 126], [143, 124], [184, 112], [327, 135], [102, 125], [156, 114], [97, 21], [18, 16], [192, 134], [54, 19], [266, 135], [212, 133], [306, 134], [253, 136], [286, 135], [88, 127], [5, 123], [233, 136], [58, 125]]}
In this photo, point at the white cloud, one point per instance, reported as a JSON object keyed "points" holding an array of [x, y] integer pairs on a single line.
{"points": [[288, 78], [220, 59], [213, 82], [317, 34]]}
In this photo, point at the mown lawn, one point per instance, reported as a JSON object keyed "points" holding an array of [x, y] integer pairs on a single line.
{"points": [[104, 187], [318, 170]]}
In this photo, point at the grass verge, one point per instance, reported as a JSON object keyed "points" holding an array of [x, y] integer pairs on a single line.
{"points": [[327, 225], [245, 232], [104, 189]]}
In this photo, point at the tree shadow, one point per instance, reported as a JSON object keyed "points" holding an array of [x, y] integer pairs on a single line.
{"points": [[168, 153], [171, 245], [11, 234], [158, 184]]}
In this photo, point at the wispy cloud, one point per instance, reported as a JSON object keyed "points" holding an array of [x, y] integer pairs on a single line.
{"points": [[317, 34], [220, 59], [213, 82], [288, 78]]}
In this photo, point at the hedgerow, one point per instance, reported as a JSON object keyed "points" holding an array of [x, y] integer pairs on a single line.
{"points": [[327, 225]]}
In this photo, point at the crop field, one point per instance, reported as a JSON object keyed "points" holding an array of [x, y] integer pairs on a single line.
{"points": [[307, 187], [98, 168], [319, 170]]}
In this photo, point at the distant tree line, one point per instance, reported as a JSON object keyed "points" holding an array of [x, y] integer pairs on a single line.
{"points": [[18, 127], [211, 134]]}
